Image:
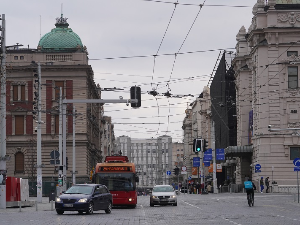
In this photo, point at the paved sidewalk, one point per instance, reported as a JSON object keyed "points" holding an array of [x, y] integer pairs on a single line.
{"points": [[45, 205]]}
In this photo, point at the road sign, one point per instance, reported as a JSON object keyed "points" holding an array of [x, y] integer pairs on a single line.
{"points": [[168, 172], [54, 154], [196, 161], [207, 155], [189, 178], [257, 171], [183, 168], [206, 163], [296, 168], [257, 167], [297, 162], [54, 161], [220, 154]]}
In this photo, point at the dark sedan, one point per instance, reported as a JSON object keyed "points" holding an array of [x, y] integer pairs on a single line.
{"points": [[84, 198]]}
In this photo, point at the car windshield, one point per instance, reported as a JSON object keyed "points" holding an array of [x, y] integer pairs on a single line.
{"points": [[80, 190], [163, 189]]}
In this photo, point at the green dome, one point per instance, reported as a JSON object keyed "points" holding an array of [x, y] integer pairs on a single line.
{"points": [[60, 38]]}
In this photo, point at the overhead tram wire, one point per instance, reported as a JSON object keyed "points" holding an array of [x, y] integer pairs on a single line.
{"points": [[190, 4], [165, 54]]}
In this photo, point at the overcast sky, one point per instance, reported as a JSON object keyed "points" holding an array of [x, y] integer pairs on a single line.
{"points": [[130, 28]]}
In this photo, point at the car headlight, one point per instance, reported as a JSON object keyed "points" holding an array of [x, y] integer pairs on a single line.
{"points": [[153, 196], [173, 196], [82, 200], [58, 199]]}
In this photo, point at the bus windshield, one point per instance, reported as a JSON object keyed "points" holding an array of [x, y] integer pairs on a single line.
{"points": [[116, 181]]}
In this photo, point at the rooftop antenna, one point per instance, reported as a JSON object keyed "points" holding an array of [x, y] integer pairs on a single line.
{"points": [[61, 10]]}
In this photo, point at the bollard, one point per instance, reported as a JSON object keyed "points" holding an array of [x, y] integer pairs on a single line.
{"points": [[36, 206], [230, 190], [51, 205], [20, 207], [243, 190]]}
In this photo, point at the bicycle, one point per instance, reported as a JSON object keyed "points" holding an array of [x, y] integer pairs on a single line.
{"points": [[250, 200]]}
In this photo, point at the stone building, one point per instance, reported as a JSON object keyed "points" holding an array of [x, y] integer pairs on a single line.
{"points": [[64, 64], [268, 97]]}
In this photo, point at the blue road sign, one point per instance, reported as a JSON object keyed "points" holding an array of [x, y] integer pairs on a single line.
{"points": [[206, 163], [296, 168], [189, 178], [257, 167], [196, 161], [168, 172], [220, 154], [207, 155], [297, 162], [257, 171]]}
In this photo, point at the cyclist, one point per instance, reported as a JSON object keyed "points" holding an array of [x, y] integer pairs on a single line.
{"points": [[251, 190]]}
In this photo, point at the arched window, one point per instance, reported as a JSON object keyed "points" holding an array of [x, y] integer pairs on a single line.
{"points": [[19, 162]]}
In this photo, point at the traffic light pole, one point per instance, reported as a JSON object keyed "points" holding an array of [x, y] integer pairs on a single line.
{"points": [[63, 113]]}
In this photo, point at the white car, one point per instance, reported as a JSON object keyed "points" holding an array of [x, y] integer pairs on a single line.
{"points": [[163, 195]]}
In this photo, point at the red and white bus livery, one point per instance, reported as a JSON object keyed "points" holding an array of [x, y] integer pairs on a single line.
{"points": [[119, 176]]}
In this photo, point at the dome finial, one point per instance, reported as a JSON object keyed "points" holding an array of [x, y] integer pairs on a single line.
{"points": [[61, 22]]}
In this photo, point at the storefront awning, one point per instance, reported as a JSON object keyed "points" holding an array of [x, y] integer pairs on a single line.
{"points": [[239, 151]]}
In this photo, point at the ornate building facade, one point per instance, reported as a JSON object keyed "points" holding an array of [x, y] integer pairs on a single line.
{"points": [[64, 65]]}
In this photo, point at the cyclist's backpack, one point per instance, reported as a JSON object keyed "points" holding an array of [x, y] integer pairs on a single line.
{"points": [[248, 185]]}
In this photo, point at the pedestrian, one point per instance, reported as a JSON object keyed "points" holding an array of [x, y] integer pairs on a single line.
{"points": [[267, 184], [198, 188], [261, 184]]}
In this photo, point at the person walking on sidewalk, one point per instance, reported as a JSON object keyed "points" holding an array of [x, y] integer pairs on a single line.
{"points": [[267, 184], [261, 183]]}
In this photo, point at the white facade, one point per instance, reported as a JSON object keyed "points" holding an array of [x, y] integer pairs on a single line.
{"points": [[152, 157], [267, 80]]}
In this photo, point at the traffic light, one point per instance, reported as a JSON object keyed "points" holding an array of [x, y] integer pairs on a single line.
{"points": [[197, 145], [135, 93], [205, 145], [176, 171]]}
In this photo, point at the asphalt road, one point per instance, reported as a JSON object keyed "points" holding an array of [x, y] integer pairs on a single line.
{"points": [[222, 209]]}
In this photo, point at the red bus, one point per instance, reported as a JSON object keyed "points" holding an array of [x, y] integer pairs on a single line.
{"points": [[119, 176]]}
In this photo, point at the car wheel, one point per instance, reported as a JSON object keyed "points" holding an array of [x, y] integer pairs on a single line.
{"points": [[151, 204], [108, 209], [175, 204], [60, 212], [80, 212], [90, 209]]}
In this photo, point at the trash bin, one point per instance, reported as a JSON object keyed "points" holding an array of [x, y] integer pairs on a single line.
{"points": [[52, 195]]}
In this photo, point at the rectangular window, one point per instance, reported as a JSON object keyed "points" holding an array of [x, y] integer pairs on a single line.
{"points": [[16, 57], [56, 129], [21, 57], [58, 85], [290, 53], [293, 77], [19, 125], [294, 152], [18, 92]]}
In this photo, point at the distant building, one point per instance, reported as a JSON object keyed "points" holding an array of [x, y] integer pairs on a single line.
{"points": [[64, 64], [152, 157]]}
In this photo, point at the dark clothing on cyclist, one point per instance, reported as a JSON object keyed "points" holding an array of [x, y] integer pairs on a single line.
{"points": [[251, 191]]}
